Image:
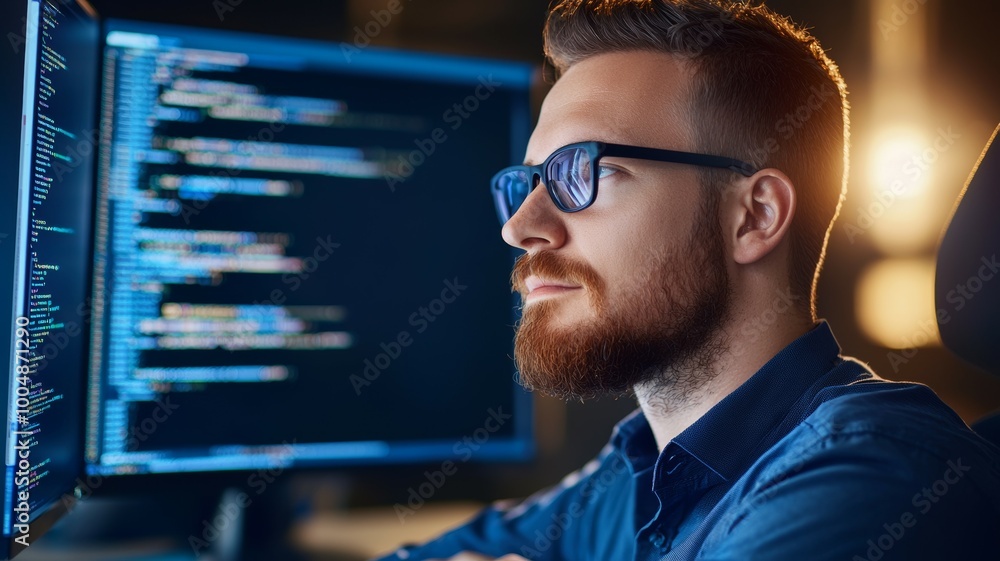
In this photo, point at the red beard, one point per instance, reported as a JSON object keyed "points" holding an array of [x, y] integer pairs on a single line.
{"points": [[668, 317]]}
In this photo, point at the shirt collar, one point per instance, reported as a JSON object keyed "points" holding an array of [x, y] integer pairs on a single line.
{"points": [[731, 435], [634, 439], [725, 438]]}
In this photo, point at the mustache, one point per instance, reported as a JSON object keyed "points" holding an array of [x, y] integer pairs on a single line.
{"points": [[551, 266]]}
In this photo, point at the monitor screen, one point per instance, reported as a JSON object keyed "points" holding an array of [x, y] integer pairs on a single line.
{"points": [[48, 259], [296, 257]]}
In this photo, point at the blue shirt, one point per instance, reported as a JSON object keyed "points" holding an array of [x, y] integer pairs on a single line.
{"points": [[813, 458]]}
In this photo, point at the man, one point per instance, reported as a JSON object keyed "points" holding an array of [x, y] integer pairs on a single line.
{"points": [[679, 191]]}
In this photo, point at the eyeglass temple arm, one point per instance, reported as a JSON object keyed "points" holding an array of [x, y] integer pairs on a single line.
{"points": [[677, 157]]}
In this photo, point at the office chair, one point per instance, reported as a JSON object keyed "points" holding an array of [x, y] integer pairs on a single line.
{"points": [[967, 283]]}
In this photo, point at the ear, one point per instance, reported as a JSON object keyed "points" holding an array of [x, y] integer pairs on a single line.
{"points": [[760, 214]]}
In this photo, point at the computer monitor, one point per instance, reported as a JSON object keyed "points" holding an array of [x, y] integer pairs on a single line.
{"points": [[296, 261], [49, 133]]}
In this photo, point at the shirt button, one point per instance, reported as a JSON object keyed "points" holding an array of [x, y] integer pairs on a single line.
{"points": [[657, 539]]}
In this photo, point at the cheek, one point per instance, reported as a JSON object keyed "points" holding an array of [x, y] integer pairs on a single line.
{"points": [[622, 259], [626, 239]]}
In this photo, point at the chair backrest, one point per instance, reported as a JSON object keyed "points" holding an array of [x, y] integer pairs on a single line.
{"points": [[967, 283]]}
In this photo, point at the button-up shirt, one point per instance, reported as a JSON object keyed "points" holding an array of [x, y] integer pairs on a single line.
{"points": [[814, 457]]}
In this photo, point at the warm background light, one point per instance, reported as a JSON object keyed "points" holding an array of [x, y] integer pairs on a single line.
{"points": [[897, 162], [895, 303], [894, 297], [908, 227]]}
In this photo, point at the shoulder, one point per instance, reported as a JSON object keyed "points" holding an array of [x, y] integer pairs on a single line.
{"points": [[885, 443], [868, 459], [907, 418]]}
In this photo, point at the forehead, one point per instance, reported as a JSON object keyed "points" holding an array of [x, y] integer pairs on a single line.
{"points": [[634, 97]]}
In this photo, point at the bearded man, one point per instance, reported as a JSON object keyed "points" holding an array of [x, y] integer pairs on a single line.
{"points": [[674, 209]]}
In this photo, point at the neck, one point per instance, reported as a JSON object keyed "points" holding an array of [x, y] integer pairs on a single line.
{"points": [[732, 355]]}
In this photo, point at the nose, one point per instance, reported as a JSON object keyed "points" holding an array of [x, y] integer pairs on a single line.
{"points": [[537, 224]]}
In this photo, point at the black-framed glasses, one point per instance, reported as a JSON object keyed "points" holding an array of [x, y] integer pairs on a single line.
{"points": [[568, 174]]}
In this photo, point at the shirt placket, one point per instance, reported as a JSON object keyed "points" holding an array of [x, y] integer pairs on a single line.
{"points": [[672, 482]]}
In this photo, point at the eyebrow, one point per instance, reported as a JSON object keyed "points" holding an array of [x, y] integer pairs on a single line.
{"points": [[529, 162]]}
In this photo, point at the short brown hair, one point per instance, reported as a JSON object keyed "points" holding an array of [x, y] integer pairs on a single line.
{"points": [[764, 92]]}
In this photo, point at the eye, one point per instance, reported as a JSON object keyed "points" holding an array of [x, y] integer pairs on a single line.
{"points": [[606, 171]]}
